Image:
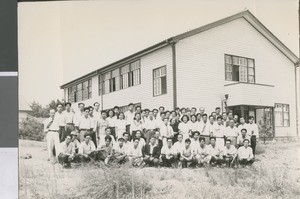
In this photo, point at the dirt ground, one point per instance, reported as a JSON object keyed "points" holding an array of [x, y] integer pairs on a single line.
{"points": [[275, 174]]}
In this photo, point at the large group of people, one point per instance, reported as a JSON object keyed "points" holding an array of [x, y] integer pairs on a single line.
{"points": [[141, 137]]}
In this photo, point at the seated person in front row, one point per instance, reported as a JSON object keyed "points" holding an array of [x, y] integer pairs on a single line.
{"points": [[86, 149], [75, 141], [138, 135], [119, 151], [151, 153], [135, 154], [168, 157], [200, 154], [186, 155], [245, 154], [214, 152], [108, 133], [105, 151], [67, 154], [229, 153]]}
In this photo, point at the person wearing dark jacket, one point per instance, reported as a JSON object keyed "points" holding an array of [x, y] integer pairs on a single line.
{"points": [[151, 153]]}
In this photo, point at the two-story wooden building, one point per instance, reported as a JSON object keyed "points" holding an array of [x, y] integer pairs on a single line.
{"points": [[234, 63]]}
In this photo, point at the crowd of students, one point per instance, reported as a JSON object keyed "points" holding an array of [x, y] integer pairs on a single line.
{"points": [[179, 138]]}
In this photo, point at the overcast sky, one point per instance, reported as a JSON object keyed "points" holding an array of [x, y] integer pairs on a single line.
{"points": [[61, 41]]}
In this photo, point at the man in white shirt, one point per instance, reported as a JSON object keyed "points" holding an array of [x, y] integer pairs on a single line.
{"points": [[126, 143], [78, 114], [142, 142], [69, 119], [168, 154], [166, 131], [200, 155], [102, 125], [84, 124], [135, 154], [243, 135], [195, 142], [231, 132], [86, 149], [245, 154], [242, 125], [119, 151], [150, 127], [93, 126], [179, 145], [229, 153], [129, 116], [214, 151], [67, 154], [253, 133], [51, 129], [60, 117], [97, 112], [186, 156]]}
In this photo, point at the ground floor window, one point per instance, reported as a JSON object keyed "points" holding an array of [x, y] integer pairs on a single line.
{"points": [[282, 115]]}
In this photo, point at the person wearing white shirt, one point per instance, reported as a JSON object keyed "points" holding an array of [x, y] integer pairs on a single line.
{"points": [[242, 125], [112, 122], [150, 127], [93, 125], [195, 141], [231, 132], [253, 132], [119, 151], [179, 145], [51, 129], [206, 128], [102, 124], [60, 117], [78, 114], [97, 112], [84, 125], [67, 153], [245, 154], [141, 140], [136, 125], [195, 125], [184, 127], [229, 153], [243, 136], [129, 115], [166, 131], [201, 156], [214, 151], [168, 154], [120, 125], [87, 147], [69, 119], [126, 143], [219, 133], [135, 154], [186, 156]]}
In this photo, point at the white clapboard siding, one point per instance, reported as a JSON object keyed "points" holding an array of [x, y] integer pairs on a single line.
{"points": [[143, 93], [201, 69]]}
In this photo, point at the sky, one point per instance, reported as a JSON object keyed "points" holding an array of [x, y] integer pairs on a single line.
{"points": [[61, 41]]}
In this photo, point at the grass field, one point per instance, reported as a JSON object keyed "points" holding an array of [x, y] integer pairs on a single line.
{"points": [[275, 174]]}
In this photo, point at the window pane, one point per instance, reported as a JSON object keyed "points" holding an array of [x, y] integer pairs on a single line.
{"points": [[117, 83], [243, 61], [229, 76], [228, 68], [164, 85], [135, 65], [278, 119], [228, 59], [125, 80], [106, 86], [115, 73], [125, 69], [286, 123], [157, 86], [251, 71], [251, 79], [285, 108], [251, 63], [136, 77], [235, 61], [243, 74], [278, 107], [157, 73], [163, 71]]}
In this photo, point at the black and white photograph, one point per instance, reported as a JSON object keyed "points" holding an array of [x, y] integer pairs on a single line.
{"points": [[159, 99]]}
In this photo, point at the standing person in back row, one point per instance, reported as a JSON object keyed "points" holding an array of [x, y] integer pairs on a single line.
{"points": [[102, 125], [129, 115], [253, 133], [97, 112], [84, 125], [69, 119], [60, 117], [51, 128], [79, 113]]}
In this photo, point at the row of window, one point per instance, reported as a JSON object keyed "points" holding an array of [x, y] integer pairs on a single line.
{"points": [[80, 92], [282, 115]]}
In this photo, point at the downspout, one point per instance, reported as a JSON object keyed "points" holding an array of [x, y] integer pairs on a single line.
{"points": [[101, 94], [296, 89], [173, 43]]}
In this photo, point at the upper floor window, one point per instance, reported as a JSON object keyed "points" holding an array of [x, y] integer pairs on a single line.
{"points": [[159, 81], [282, 115], [239, 69], [121, 78], [81, 91]]}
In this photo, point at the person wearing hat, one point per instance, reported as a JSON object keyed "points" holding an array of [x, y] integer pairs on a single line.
{"points": [[84, 124], [119, 151], [75, 141]]}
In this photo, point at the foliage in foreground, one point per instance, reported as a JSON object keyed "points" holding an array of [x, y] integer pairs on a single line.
{"points": [[31, 129]]}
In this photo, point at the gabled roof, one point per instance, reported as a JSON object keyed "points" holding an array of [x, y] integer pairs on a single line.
{"points": [[247, 15]]}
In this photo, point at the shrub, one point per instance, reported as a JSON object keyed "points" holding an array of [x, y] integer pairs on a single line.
{"points": [[31, 129]]}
